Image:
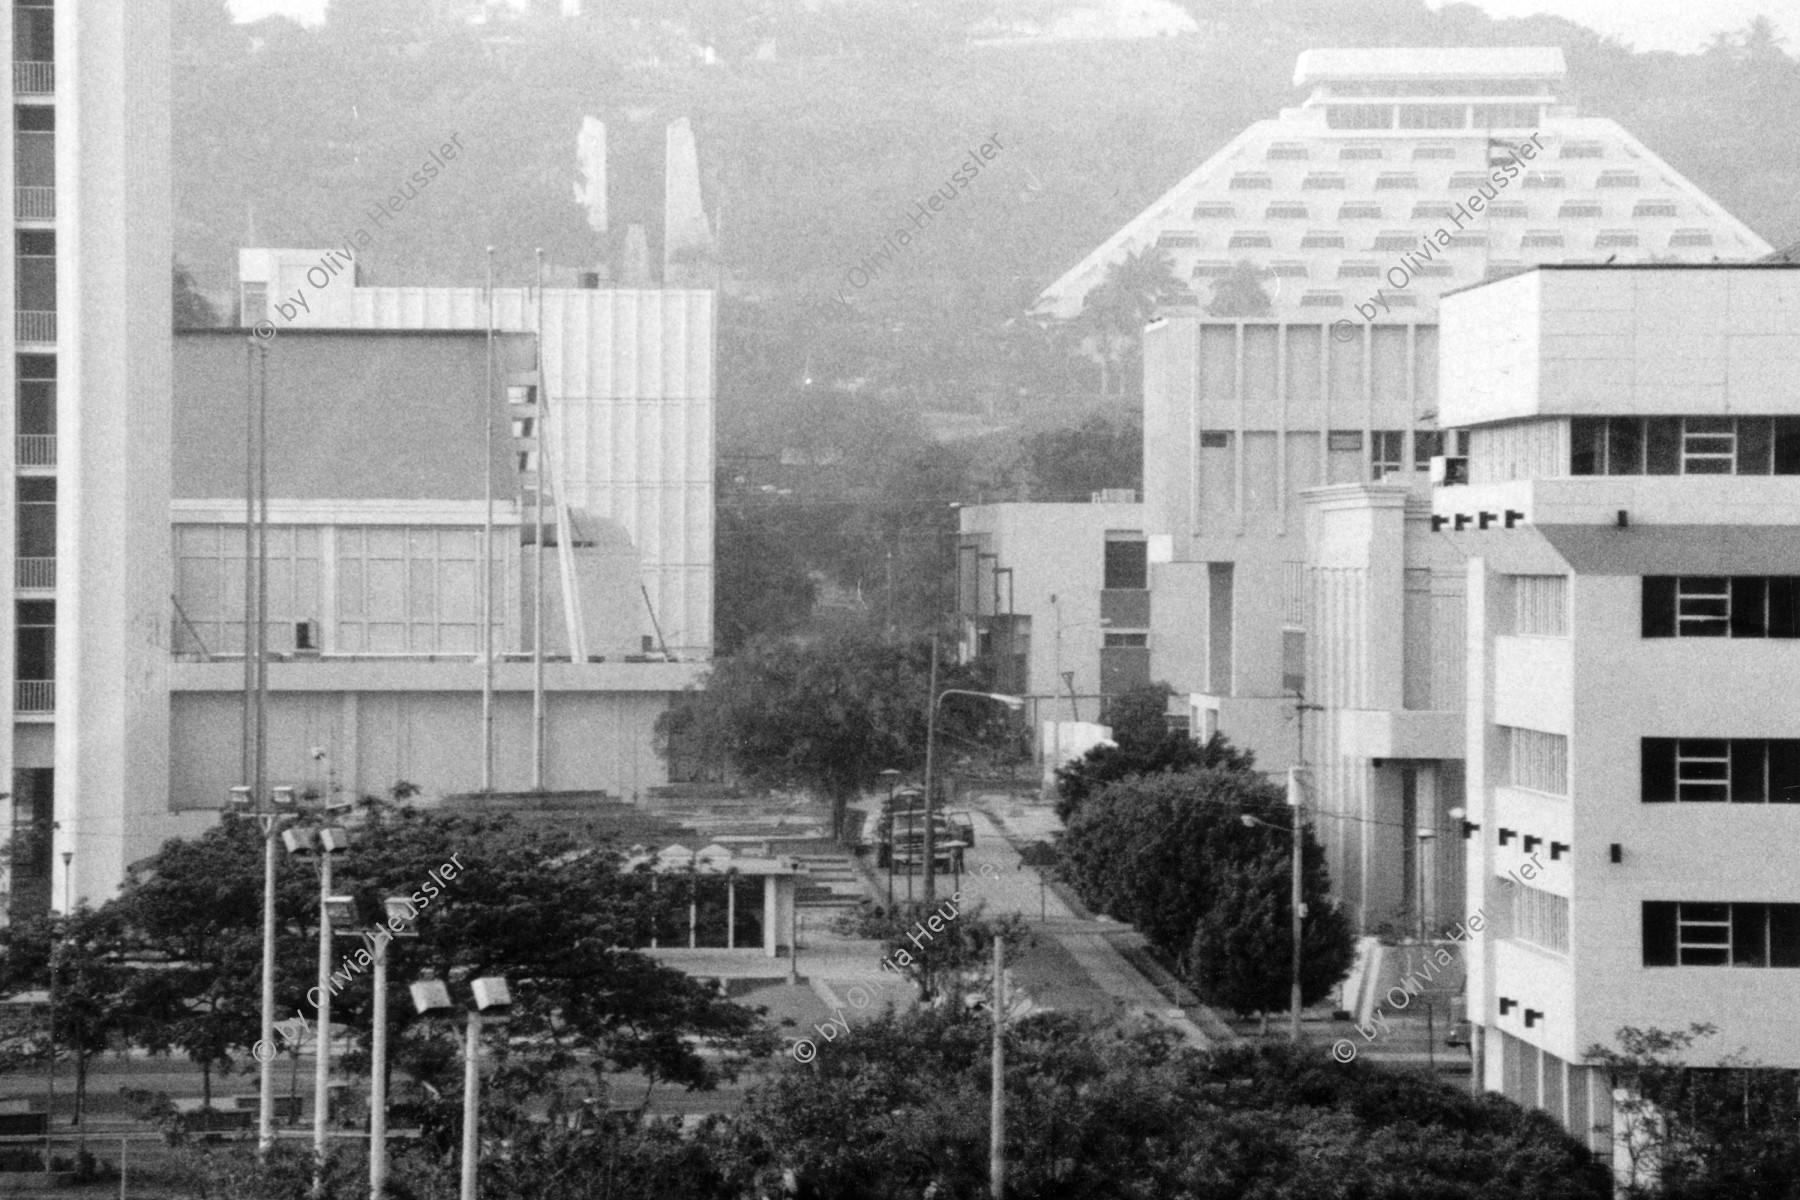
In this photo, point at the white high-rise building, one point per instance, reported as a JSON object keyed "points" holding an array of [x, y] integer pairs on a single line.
{"points": [[88, 366], [1630, 528]]}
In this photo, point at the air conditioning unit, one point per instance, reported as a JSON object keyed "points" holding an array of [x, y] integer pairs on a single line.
{"points": [[1449, 470]]}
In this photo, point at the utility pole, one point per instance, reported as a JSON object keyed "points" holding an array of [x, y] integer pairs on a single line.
{"points": [[1298, 779], [487, 556], [997, 1124], [931, 707]]}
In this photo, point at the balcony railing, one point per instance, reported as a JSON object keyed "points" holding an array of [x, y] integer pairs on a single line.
{"points": [[36, 696], [36, 572], [36, 450], [34, 203], [34, 78], [36, 326]]}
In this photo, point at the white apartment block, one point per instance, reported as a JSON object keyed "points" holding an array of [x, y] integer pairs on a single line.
{"points": [[88, 365], [1631, 527]]}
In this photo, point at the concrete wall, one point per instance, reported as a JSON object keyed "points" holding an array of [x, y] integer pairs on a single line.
{"points": [[1644, 340], [380, 723], [114, 250]]}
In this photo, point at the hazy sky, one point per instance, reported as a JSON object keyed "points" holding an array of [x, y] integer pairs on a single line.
{"points": [[1679, 25]]}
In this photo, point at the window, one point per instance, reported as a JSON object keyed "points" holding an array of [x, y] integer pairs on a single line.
{"points": [[1119, 641], [1425, 210], [1548, 179], [408, 590], [1211, 269], [1467, 181], [1249, 240], [34, 33], [35, 641], [1360, 154], [521, 393], [1467, 241], [1713, 770], [36, 496], [1582, 150], [36, 290], [1288, 270], [1433, 116], [1215, 439], [1430, 443], [1619, 179], [1359, 116], [1431, 270], [1654, 208], [1245, 181], [1359, 212], [1211, 210], [1322, 183], [1344, 439], [1536, 760], [1178, 241], [1579, 208], [1540, 605], [1424, 153], [1321, 300], [1505, 116], [1690, 237], [1541, 239], [1508, 212], [1358, 270], [1684, 445], [1394, 239], [1127, 564], [1285, 212], [1287, 152], [1387, 452], [1710, 934], [209, 574], [37, 402], [1615, 239], [1322, 241], [1536, 916], [1396, 182], [1739, 606]]}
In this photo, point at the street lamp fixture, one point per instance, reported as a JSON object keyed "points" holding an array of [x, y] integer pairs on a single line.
{"points": [[320, 844]]}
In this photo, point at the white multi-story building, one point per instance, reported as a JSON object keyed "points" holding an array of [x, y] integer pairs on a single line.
{"points": [[1631, 525], [88, 364], [1403, 174]]}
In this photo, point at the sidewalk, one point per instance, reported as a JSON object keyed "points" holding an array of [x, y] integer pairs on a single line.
{"points": [[1093, 943]]}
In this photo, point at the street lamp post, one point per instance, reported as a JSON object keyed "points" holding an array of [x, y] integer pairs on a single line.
{"points": [[398, 912], [490, 997], [322, 844], [1015, 703], [272, 820], [1297, 784]]}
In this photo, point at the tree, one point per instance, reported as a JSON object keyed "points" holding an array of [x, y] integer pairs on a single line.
{"points": [[1698, 1133], [1144, 745], [1241, 957], [1073, 464], [929, 953], [1170, 853], [1240, 292], [192, 310], [761, 585], [1114, 313], [828, 712]]}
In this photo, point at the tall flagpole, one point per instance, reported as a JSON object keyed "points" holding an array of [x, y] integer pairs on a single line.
{"points": [[487, 556], [537, 550], [249, 738]]}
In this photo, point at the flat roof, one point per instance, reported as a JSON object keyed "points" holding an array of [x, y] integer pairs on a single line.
{"points": [[1430, 62]]}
